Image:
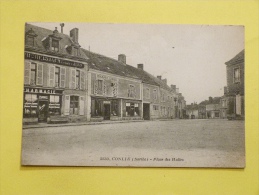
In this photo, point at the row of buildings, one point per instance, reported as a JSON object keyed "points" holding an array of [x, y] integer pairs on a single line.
{"points": [[232, 104], [63, 81]]}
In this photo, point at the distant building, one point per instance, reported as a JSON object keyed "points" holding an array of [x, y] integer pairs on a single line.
{"points": [[192, 111], [235, 87], [211, 108]]}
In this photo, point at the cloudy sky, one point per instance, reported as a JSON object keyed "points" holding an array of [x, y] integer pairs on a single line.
{"points": [[190, 56]]}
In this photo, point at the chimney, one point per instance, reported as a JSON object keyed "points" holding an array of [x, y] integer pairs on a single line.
{"points": [[141, 66], [122, 58], [165, 81], [173, 87], [74, 35], [177, 90], [159, 77], [210, 100], [62, 25], [225, 90]]}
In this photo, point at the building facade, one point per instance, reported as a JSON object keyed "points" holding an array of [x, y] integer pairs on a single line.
{"points": [[235, 87], [66, 83], [54, 76]]}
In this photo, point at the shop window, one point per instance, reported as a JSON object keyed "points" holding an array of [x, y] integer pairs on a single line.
{"points": [[55, 45], [30, 105], [114, 108], [236, 75], [131, 91], [54, 105], [132, 109], [74, 105], [96, 108]]}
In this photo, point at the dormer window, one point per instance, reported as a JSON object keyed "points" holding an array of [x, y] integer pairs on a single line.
{"points": [[29, 38], [55, 45]]}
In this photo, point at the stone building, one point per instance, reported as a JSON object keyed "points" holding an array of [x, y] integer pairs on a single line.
{"points": [[55, 72], [235, 87], [66, 83]]}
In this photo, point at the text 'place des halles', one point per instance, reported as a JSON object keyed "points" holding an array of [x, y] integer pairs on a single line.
{"points": [[83, 108]]}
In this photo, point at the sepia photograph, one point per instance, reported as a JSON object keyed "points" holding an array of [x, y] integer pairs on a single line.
{"points": [[133, 95]]}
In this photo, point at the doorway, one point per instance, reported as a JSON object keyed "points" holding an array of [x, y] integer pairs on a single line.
{"points": [[146, 111], [107, 112], [43, 110]]}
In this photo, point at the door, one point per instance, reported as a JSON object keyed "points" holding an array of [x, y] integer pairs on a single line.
{"points": [[146, 111], [107, 112], [43, 110]]}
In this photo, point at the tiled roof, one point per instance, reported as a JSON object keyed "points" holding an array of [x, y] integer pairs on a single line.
{"points": [[192, 107], [110, 65], [42, 34], [215, 100], [239, 58]]}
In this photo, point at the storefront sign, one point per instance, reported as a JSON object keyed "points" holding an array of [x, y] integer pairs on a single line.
{"points": [[43, 97], [106, 102], [52, 60], [45, 91]]}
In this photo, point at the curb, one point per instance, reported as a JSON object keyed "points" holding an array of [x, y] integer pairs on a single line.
{"points": [[76, 124]]}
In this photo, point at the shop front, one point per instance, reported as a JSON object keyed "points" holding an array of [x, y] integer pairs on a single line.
{"points": [[105, 109], [131, 110], [41, 103]]}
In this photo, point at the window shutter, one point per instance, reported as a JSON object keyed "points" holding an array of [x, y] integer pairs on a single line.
{"points": [[82, 80], [67, 105], [73, 78], [82, 105], [62, 77], [104, 88], [51, 76], [96, 87], [27, 72], [39, 74]]}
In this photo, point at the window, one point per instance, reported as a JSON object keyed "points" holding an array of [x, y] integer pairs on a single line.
{"points": [[163, 97], [30, 41], [77, 79], [76, 51], [114, 108], [33, 73], [74, 102], [236, 75], [147, 93], [155, 107], [30, 105], [54, 105], [155, 94], [55, 45], [131, 91], [57, 76], [132, 109], [96, 107]]}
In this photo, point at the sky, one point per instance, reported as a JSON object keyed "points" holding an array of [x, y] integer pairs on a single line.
{"points": [[192, 57]]}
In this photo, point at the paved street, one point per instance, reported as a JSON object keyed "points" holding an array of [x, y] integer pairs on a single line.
{"points": [[178, 143]]}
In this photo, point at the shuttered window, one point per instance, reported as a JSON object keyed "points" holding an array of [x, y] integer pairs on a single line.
{"points": [[82, 80], [27, 72], [63, 77], [39, 74], [72, 79], [51, 75]]}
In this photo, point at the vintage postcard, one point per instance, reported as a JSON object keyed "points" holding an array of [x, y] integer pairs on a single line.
{"points": [[139, 95]]}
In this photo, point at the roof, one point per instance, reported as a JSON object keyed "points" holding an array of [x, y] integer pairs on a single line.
{"points": [[239, 58], [215, 100], [110, 65], [192, 107], [42, 34]]}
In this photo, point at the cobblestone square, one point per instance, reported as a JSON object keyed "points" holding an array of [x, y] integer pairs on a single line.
{"points": [[171, 143]]}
